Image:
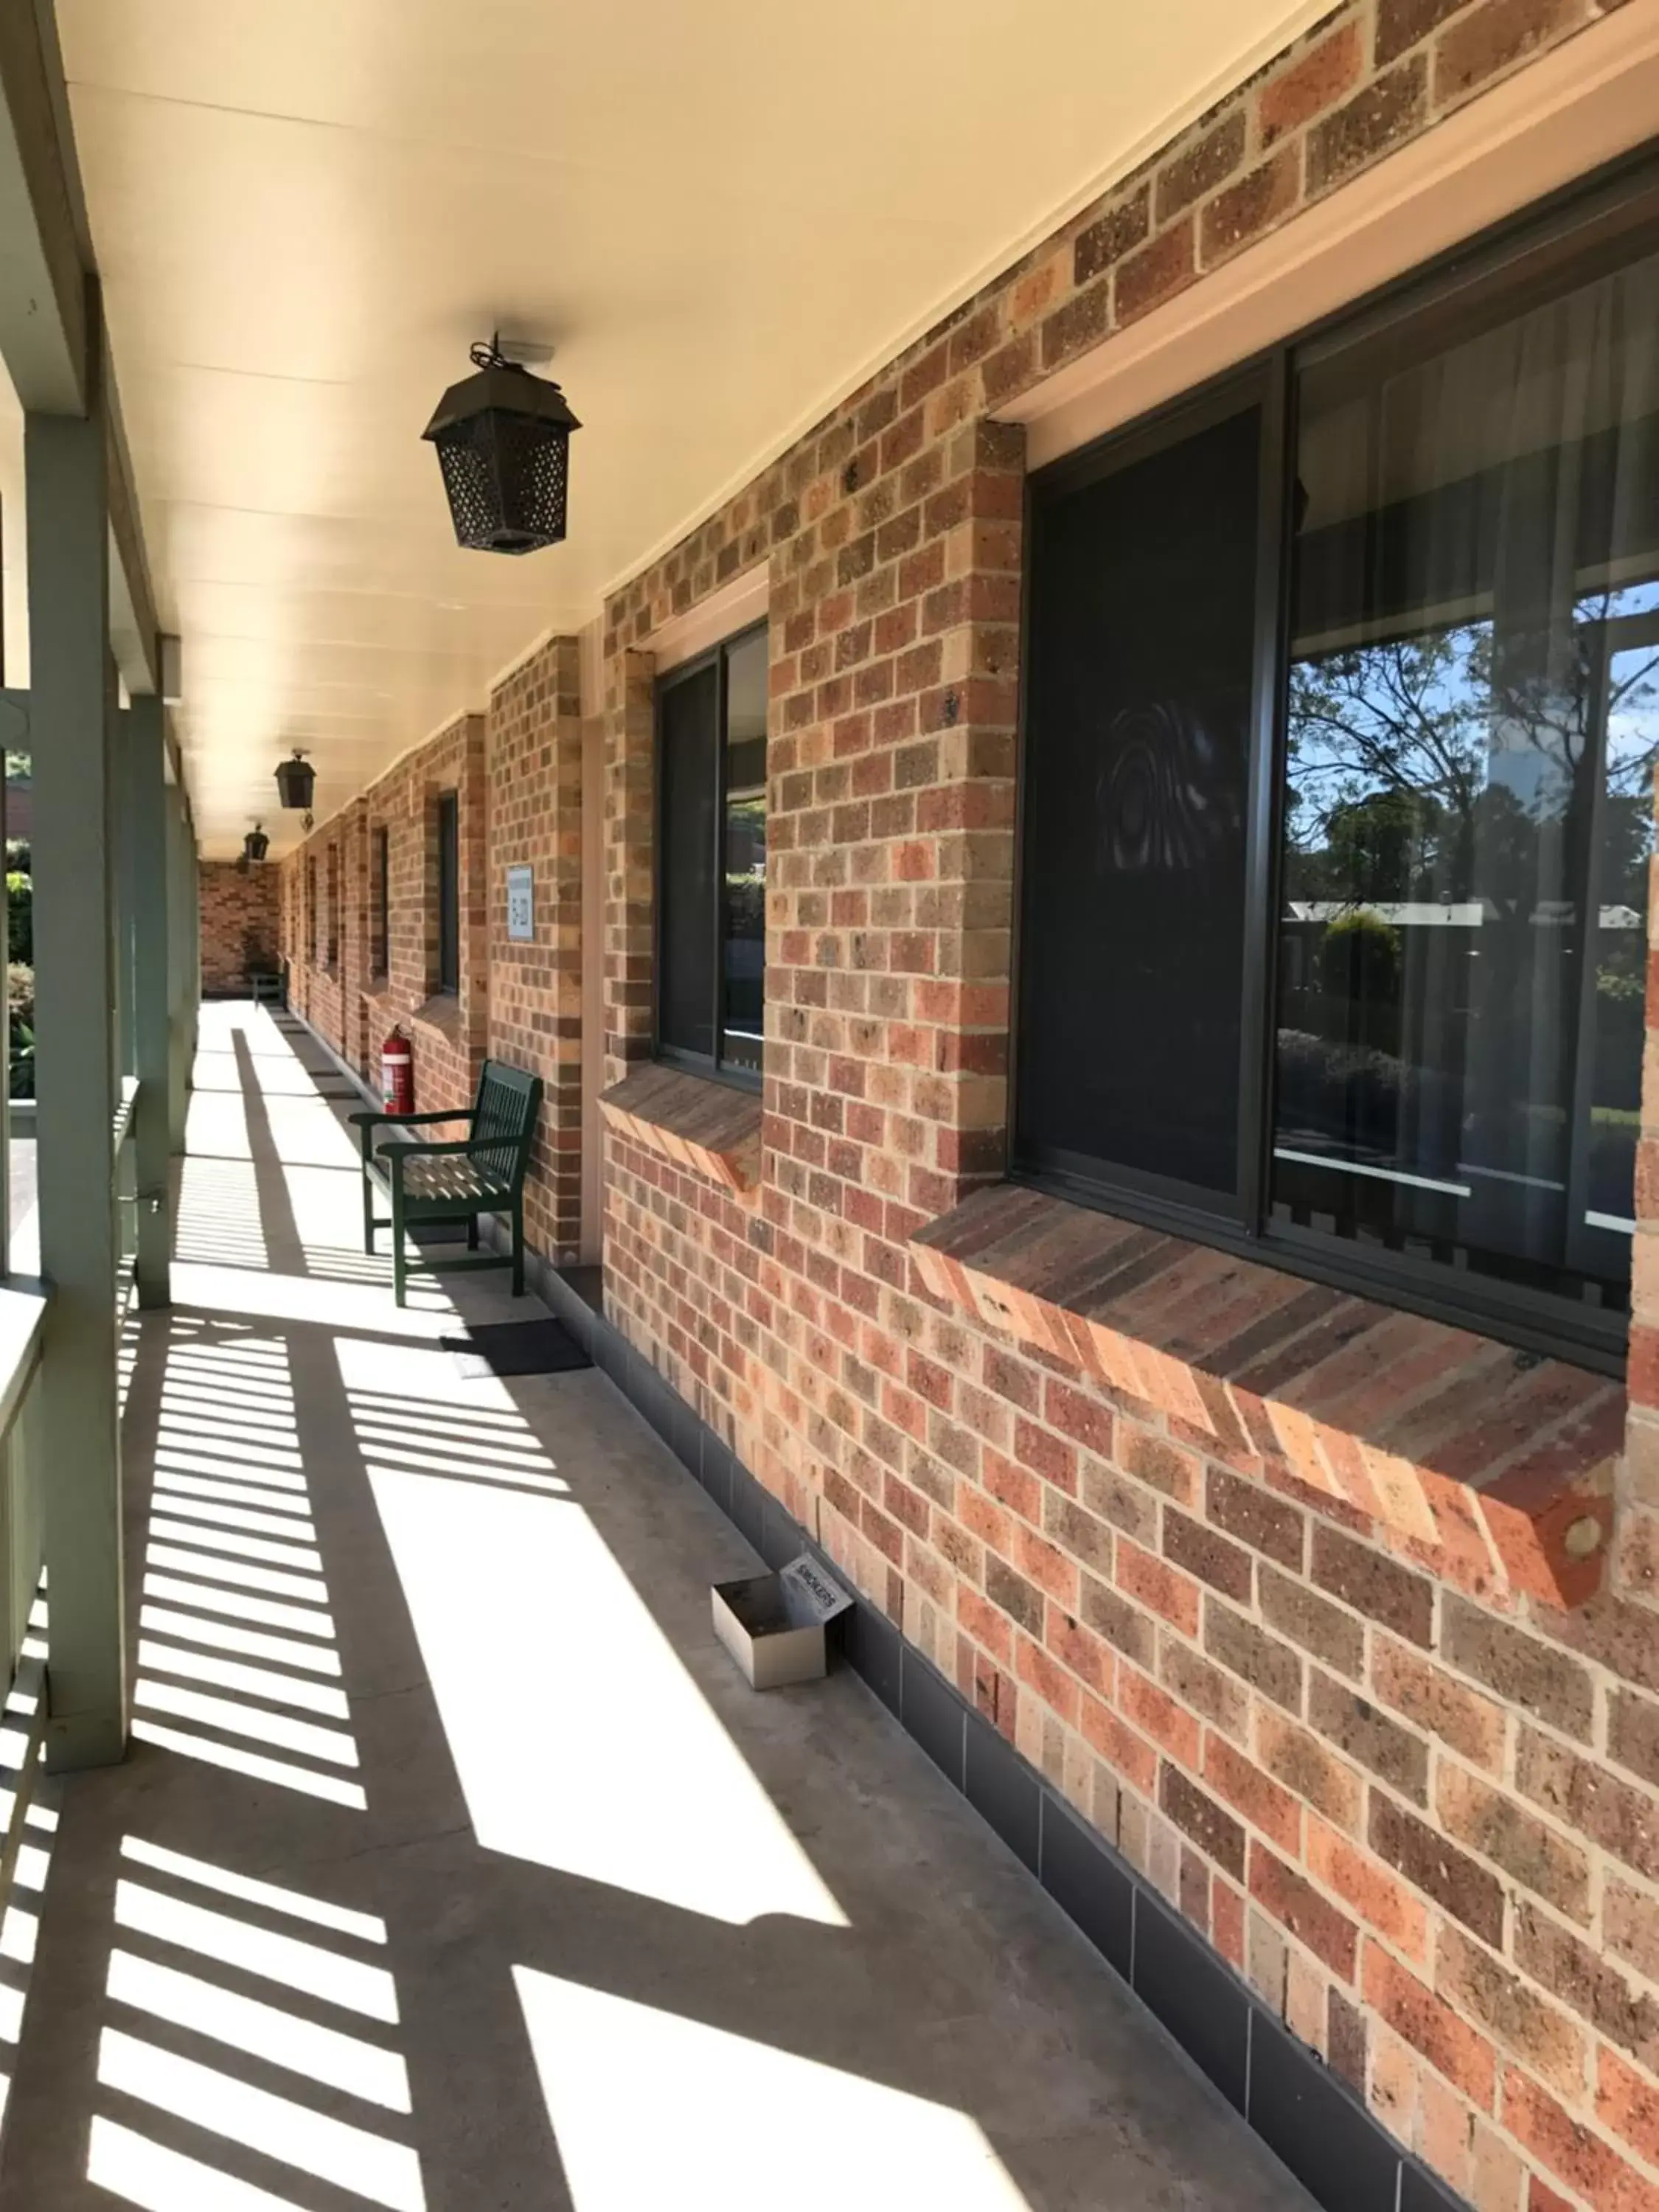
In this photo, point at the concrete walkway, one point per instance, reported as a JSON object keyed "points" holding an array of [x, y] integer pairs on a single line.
{"points": [[453, 1865]]}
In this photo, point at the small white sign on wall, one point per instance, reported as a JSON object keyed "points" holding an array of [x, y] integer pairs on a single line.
{"points": [[521, 904]]}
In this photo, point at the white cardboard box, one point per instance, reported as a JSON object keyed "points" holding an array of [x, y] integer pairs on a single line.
{"points": [[774, 1624]]}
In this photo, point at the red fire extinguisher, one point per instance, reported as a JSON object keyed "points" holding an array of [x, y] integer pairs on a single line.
{"points": [[397, 1073]]}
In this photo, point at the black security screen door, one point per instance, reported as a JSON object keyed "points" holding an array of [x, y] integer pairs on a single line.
{"points": [[1141, 680], [449, 894]]}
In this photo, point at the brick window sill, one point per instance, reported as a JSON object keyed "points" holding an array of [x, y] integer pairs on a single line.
{"points": [[691, 1121], [442, 1015], [1493, 1468]]}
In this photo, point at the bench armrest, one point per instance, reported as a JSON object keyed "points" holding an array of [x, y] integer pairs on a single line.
{"points": [[365, 1117]]}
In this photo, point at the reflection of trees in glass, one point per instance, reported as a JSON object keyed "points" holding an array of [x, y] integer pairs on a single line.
{"points": [[1418, 764], [746, 867], [746, 906], [1507, 772], [745, 909], [1386, 749]]}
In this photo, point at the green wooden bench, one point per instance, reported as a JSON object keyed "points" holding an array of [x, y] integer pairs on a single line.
{"points": [[481, 1173]]}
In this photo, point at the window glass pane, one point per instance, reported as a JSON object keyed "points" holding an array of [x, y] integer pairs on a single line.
{"points": [[1138, 727], [1474, 718], [383, 904], [689, 764], [449, 894], [744, 943]]}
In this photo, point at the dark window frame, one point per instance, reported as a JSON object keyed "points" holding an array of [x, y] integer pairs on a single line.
{"points": [[311, 910], [380, 950], [331, 908], [712, 1065], [447, 894], [1595, 226]]}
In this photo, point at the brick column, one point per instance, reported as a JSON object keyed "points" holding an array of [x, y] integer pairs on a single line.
{"points": [[890, 840], [629, 836], [533, 746], [354, 909]]}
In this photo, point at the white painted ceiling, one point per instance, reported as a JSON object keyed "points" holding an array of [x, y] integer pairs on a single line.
{"points": [[722, 215]]}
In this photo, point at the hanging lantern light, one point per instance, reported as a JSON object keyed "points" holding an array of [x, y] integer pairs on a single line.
{"points": [[255, 846], [296, 779], [503, 440]]}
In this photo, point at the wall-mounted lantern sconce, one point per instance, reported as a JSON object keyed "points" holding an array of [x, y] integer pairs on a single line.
{"points": [[255, 846], [296, 779], [503, 440]]}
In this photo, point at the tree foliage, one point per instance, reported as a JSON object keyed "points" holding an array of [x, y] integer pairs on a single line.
{"points": [[1435, 765]]}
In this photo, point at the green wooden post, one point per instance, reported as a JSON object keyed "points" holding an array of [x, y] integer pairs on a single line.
{"points": [[150, 876], [122, 789], [5, 1054], [194, 888], [181, 1020], [192, 947], [72, 710]]}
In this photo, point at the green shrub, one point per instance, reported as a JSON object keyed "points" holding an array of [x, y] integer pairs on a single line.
{"points": [[1359, 958], [20, 915], [19, 997]]}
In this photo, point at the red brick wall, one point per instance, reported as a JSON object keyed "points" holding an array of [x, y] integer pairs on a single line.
{"points": [[1423, 1823], [240, 910], [350, 1006], [1420, 1813], [517, 772]]}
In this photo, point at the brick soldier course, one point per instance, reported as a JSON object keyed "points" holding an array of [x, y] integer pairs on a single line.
{"points": [[1340, 1624]]}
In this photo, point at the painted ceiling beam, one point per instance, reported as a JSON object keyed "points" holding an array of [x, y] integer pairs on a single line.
{"points": [[49, 308]]}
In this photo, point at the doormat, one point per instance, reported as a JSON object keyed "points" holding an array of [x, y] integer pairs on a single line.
{"points": [[516, 1347]]}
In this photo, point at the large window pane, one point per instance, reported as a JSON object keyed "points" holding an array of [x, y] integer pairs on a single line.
{"points": [[744, 958], [1473, 723], [1137, 747], [689, 761]]}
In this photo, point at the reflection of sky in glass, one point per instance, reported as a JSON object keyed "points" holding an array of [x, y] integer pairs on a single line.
{"points": [[1633, 697], [1640, 599]]}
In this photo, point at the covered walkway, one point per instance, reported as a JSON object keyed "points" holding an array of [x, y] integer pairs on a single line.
{"points": [[453, 1867]]}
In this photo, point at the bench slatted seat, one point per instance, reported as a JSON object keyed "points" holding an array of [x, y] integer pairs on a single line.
{"points": [[481, 1173]]}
